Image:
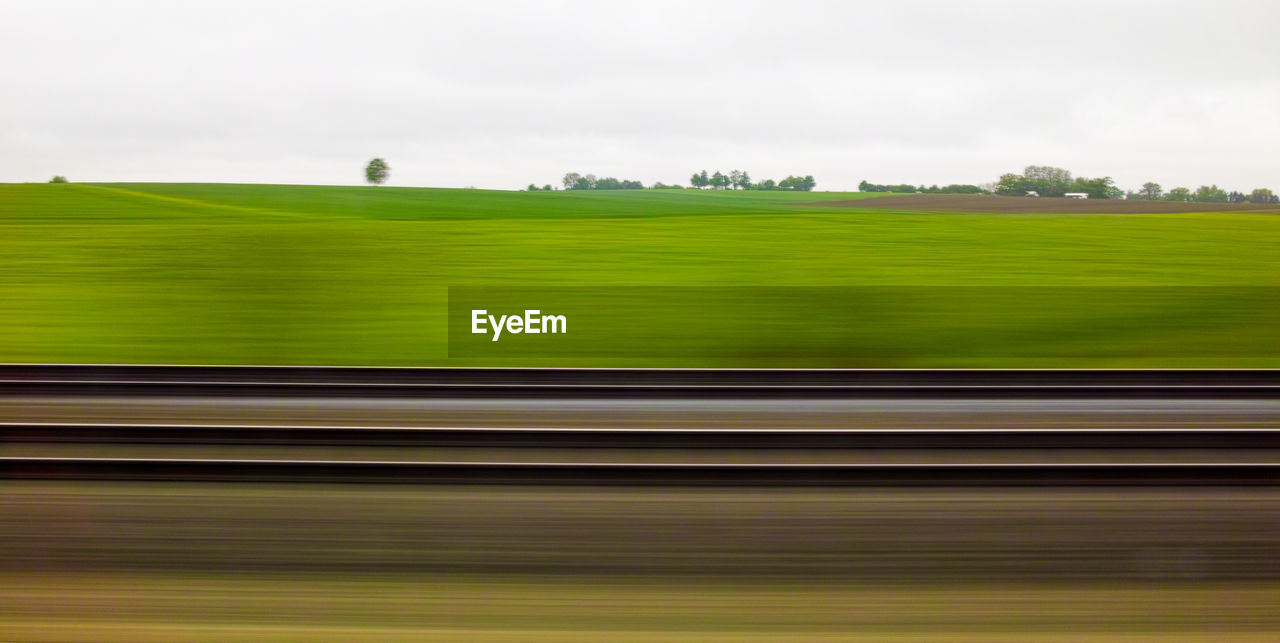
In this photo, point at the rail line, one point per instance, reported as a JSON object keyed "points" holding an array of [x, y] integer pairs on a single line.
{"points": [[647, 474], [303, 381], [630, 438], [992, 457]]}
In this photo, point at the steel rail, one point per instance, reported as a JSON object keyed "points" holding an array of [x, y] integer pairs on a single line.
{"points": [[626, 474], [299, 381], [26, 381], [637, 438]]}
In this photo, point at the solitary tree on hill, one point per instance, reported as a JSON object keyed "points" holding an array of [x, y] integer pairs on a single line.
{"points": [[377, 171]]}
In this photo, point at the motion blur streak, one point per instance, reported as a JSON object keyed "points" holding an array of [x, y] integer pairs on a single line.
{"points": [[128, 561], [112, 559]]}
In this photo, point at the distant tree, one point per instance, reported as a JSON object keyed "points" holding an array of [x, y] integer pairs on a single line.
{"points": [[1055, 182], [1046, 173], [575, 181], [376, 172], [767, 184], [1236, 197], [531, 188], [1178, 194], [799, 183], [719, 181], [610, 183], [1010, 184], [740, 179], [700, 179], [1103, 188], [1211, 194], [59, 179], [1041, 179], [961, 189], [1263, 195], [903, 188], [546, 188], [1151, 191]]}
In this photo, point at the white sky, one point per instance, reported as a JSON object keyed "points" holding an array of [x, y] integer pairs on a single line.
{"points": [[498, 95]]}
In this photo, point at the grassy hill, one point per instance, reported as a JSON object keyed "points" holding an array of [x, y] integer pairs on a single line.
{"points": [[215, 273]]}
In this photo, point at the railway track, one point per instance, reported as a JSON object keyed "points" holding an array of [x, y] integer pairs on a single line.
{"points": [[614, 438], [553, 383], [850, 456]]}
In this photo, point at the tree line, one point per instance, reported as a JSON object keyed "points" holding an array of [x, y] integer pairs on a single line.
{"points": [[575, 181], [741, 180], [1152, 191], [904, 188], [736, 180], [1055, 181]]}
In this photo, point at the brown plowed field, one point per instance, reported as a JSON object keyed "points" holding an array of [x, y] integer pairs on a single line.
{"points": [[1020, 204]]}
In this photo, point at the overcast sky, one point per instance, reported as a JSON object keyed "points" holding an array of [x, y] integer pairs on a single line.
{"points": [[498, 95]]}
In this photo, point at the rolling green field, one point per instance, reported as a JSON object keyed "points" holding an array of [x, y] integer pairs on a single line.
{"points": [[212, 273]]}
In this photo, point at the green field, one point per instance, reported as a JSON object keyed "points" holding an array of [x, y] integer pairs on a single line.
{"points": [[210, 273]]}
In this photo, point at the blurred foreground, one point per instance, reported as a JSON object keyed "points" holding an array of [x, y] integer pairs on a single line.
{"points": [[467, 557], [193, 562]]}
